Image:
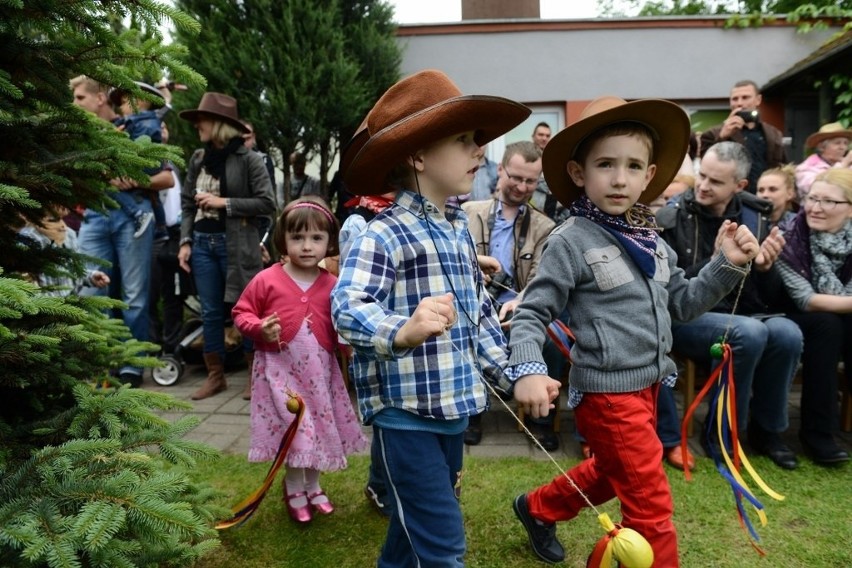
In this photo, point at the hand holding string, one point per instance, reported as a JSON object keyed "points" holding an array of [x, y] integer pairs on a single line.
{"points": [[433, 316], [271, 329], [738, 243]]}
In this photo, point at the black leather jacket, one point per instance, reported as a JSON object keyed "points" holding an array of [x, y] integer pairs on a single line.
{"points": [[691, 231]]}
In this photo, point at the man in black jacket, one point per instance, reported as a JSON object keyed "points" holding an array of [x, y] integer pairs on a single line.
{"points": [[764, 142], [766, 347]]}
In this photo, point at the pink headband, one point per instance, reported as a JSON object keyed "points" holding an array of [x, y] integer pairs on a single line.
{"points": [[317, 207]]}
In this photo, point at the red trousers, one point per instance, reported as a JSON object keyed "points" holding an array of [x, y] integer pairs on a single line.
{"points": [[627, 463]]}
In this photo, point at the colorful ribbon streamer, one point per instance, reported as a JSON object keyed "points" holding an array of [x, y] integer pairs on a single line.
{"points": [[249, 505], [725, 449]]}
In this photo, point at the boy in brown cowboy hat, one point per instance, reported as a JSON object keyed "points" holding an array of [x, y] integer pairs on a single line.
{"points": [[410, 301], [621, 285]]}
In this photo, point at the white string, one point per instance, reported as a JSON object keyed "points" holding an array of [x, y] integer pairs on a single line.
{"points": [[520, 422], [729, 324]]}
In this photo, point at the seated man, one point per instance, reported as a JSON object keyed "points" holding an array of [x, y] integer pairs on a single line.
{"points": [[765, 346], [513, 233]]}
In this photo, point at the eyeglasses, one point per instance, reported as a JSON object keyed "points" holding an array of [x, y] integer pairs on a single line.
{"points": [[517, 180], [825, 204]]}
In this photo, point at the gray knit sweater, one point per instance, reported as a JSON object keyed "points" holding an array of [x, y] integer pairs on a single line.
{"points": [[620, 317]]}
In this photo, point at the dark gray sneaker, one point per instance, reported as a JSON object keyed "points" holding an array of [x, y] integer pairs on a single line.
{"points": [[542, 535]]}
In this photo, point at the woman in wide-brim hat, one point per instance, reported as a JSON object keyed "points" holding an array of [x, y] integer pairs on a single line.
{"points": [[831, 150], [225, 199]]}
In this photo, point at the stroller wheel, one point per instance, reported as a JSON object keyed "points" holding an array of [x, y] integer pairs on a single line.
{"points": [[170, 373]]}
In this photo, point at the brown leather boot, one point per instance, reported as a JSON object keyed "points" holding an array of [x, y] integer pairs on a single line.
{"points": [[250, 362], [215, 382]]}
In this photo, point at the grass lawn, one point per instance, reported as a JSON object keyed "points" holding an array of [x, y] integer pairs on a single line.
{"points": [[808, 529]]}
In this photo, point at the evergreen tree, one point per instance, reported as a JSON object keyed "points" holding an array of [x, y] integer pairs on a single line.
{"points": [[304, 71], [86, 474]]}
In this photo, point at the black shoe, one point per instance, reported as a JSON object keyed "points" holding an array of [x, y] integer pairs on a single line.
{"points": [[770, 444], [542, 535], [545, 436], [473, 435], [822, 448], [473, 432], [132, 379]]}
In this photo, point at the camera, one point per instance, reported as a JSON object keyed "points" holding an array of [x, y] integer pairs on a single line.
{"points": [[748, 115], [500, 282]]}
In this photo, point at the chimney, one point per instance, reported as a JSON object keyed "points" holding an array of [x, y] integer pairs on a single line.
{"points": [[500, 9]]}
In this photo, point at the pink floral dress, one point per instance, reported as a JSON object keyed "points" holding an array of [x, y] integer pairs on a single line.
{"points": [[329, 431]]}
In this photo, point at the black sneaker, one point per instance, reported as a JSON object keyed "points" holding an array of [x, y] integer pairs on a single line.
{"points": [[141, 223], [542, 535]]}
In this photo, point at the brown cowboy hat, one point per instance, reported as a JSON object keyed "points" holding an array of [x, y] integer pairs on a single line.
{"points": [[413, 113], [827, 132], [219, 106], [117, 94], [667, 121]]}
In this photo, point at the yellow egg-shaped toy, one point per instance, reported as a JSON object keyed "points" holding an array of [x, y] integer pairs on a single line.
{"points": [[293, 405]]}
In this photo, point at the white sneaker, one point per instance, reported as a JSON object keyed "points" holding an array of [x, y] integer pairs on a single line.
{"points": [[142, 221]]}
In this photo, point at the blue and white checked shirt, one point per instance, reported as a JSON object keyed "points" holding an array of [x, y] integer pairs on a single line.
{"points": [[393, 264]]}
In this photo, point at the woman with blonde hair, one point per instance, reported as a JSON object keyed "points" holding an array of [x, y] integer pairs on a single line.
{"points": [[778, 186], [225, 195], [816, 267]]}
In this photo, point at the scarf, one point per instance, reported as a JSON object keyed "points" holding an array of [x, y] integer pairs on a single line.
{"points": [[830, 251], [373, 203], [635, 230], [215, 158]]}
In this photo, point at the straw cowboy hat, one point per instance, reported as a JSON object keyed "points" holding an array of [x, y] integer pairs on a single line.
{"points": [[117, 94], [827, 132], [219, 106], [415, 112], [667, 121]]}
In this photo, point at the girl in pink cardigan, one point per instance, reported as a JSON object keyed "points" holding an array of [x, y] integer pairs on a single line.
{"points": [[286, 310]]}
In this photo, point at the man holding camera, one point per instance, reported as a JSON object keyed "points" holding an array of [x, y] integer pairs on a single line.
{"points": [[507, 228], [763, 141]]}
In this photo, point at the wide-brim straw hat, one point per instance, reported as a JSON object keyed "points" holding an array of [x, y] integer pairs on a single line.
{"points": [[667, 121], [414, 113], [219, 106], [827, 132], [116, 95]]}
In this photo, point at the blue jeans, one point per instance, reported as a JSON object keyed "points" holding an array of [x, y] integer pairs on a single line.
{"points": [[766, 354], [111, 238], [423, 472], [209, 262]]}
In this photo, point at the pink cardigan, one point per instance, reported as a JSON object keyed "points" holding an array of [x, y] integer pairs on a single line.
{"points": [[274, 291]]}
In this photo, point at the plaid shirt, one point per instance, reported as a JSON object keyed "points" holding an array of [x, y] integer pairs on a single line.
{"points": [[399, 259]]}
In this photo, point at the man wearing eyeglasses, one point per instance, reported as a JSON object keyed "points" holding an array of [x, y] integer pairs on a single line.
{"points": [[506, 228], [766, 347]]}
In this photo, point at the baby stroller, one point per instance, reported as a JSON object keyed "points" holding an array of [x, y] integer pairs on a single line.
{"points": [[190, 349], [188, 341]]}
